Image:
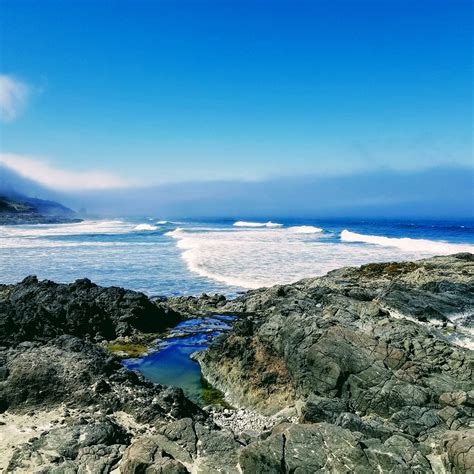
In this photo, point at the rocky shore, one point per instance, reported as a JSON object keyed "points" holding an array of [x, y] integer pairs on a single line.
{"points": [[363, 370], [376, 350]]}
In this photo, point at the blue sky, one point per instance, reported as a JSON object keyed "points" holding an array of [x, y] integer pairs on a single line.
{"points": [[147, 92]]}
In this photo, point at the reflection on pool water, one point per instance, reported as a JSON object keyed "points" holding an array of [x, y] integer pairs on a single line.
{"points": [[171, 364]]}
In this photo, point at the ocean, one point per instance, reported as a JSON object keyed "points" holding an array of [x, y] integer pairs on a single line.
{"points": [[163, 258]]}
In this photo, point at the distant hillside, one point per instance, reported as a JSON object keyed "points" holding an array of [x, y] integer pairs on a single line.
{"points": [[18, 209]]}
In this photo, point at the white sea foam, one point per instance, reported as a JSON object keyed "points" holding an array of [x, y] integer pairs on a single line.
{"points": [[268, 224], [176, 233], [252, 258], [51, 244], [407, 244], [163, 222], [142, 227], [55, 235], [305, 229], [86, 227]]}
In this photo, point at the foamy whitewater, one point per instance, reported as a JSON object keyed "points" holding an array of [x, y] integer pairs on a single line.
{"points": [[257, 224], [165, 258]]}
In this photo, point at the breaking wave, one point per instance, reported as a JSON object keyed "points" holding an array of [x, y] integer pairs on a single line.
{"points": [[256, 257], [406, 244], [247, 255], [268, 224], [142, 227], [305, 229], [88, 227]]}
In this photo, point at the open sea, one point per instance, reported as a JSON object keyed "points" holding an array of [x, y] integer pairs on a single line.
{"points": [[225, 256]]}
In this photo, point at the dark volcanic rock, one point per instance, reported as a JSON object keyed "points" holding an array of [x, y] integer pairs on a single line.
{"points": [[41, 310], [194, 306]]}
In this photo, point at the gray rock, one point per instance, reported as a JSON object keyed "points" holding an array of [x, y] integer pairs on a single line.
{"points": [[459, 451], [81, 373], [98, 443], [323, 447], [146, 455], [368, 348]]}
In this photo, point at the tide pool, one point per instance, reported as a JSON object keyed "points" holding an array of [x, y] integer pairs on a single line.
{"points": [[171, 363]]}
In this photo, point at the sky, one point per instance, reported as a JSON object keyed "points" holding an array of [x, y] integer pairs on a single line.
{"points": [[103, 94]]}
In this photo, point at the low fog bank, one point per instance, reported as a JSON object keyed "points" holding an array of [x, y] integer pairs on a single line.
{"points": [[444, 192]]}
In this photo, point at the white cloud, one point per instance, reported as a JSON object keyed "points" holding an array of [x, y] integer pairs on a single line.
{"points": [[13, 97], [44, 173]]}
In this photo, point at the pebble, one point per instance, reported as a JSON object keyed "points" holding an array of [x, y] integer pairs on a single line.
{"points": [[245, 421]]}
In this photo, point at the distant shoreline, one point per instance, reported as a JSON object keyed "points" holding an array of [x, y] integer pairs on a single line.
{"points": [[20, 210], [12, 219]]}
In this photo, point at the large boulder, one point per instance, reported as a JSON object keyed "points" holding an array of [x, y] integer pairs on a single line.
{"points": [[41, 310]]}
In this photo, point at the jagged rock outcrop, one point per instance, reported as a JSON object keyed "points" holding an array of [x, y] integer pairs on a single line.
{"points": [[41, 310], [369, 349], [69, 369], [324, 447]]}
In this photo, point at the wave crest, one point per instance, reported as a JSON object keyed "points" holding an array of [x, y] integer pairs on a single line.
{"points": [[305, 229], [407, 244], [257, 224], [141, 227]]}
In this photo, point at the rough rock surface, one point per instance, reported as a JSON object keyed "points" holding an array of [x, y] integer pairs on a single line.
{"points": [[369, 349], [34, 310], [79, 373], [352, 372], [324, 447]]}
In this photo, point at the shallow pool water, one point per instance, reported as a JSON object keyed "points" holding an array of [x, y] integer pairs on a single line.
{"points": [[171, 363]]}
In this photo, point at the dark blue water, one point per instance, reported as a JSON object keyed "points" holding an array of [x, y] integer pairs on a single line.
{"points": [[171, 364]]}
